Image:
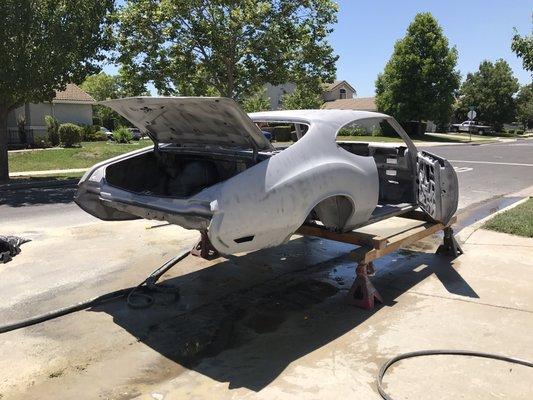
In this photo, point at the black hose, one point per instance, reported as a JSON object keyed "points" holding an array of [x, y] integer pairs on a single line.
{"points": [[421, 353], [140, 291]]}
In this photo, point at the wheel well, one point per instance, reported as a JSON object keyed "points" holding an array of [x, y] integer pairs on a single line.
{"points": [[334, 211]]}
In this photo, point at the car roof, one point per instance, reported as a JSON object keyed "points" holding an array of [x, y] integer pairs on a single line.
{"points": [[331, 117]]}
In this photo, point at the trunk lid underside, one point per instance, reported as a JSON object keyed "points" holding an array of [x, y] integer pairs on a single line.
{"points": [[192, 121]]}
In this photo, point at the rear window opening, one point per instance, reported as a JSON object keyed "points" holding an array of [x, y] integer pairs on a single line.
{"points": [[283, 133]]}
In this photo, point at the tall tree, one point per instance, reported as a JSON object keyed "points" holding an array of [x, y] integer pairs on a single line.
{"points": [[256, 102], [303, 98], [45, 44], [523, 47], [420, 79], [490, 91], [102, 86], [524, 106], [225, 47]]}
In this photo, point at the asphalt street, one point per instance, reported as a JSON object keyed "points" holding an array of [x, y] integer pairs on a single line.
{"points": [[490, 170], [484, 171]]}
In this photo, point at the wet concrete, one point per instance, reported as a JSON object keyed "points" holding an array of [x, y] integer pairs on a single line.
{"points": [[478, 211]]}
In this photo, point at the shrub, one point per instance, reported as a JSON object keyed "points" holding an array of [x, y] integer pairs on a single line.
{"points": [[376, 131], [69, 134], [352, 131], [414, 128], [21, 123], [122, 135], [41, 143], [100, 136], [52, 130], [92, 133]]}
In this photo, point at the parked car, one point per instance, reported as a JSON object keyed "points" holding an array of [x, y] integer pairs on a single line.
{"points": [[136, 133], [471, 127], [211, 169], [108, 133]]}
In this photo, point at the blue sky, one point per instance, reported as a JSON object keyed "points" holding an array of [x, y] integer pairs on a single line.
{"points": [[365, 34]]}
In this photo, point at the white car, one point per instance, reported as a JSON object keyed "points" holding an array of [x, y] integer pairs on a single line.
{"points": [[472, 127], [211, 169]]}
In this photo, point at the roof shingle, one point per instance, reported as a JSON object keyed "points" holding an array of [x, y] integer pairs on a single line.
{"points": [[73, 93], [361, 103]]}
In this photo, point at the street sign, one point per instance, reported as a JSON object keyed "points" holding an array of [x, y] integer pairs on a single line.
{"points": [[471, 115]]}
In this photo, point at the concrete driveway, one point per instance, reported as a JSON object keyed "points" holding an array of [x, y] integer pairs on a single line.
{"points": [[272, 324]]}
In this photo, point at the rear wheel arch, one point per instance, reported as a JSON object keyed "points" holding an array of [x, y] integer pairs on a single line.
{"points": [[334, 211]]}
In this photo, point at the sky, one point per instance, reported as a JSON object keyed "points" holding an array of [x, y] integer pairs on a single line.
{"points": [[366, 31]]}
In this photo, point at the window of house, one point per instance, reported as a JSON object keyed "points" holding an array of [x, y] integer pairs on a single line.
{"points": [[342, 93]]}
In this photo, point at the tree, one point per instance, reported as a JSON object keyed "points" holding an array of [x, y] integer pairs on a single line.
{"points": [[256, 102], [523, 47], [226, 48], [45, 44], [303, 98], [524, 106], [101, 87], [420, 79], [490, 91]]}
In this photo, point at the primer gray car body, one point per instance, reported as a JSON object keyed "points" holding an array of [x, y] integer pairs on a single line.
{"points": [[211, 169]]}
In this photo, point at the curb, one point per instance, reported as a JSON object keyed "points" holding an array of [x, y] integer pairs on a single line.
{"points": [[467, 231], [39, 184]]}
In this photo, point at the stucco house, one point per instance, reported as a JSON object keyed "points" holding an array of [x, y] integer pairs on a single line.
{"points": [[331, 92], [275, 92], [70, 105], [338, 90]]}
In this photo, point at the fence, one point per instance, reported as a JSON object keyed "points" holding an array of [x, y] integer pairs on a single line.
{"points": [[16, 140]]}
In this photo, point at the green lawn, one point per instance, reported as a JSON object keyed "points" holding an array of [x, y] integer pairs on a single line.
{"points": [[83, 157], [516, 221]]}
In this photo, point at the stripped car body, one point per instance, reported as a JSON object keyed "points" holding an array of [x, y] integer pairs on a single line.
{"points": [[211, 169]]}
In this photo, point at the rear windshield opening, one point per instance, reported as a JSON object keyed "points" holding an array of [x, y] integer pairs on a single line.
{"points": [[283, 133], [368, 129]]}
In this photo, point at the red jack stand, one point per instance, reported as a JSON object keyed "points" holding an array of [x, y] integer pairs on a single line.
{"points": [[362, 294], [204, 249]]}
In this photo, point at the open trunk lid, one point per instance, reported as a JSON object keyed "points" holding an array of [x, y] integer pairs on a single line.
{"points": [[215, 121]]}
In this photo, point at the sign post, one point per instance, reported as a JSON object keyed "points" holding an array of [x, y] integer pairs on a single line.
{"points": [[471, 116]]}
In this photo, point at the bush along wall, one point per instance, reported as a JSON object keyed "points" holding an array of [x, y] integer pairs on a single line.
{"points": [[70, 135]]}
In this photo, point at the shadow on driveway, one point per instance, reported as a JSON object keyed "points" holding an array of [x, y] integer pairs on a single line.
{"points": [[37, 196], [248, 336]]}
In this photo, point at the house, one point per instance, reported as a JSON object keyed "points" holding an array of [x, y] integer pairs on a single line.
{"points": [[70, 105], [331, 92], [275, 93], [338, 90], [361, 103]]}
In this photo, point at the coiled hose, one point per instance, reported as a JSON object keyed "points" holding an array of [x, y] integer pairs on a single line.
{"points": [[133, 294]]}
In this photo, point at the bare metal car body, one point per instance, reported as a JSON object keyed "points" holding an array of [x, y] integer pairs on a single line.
{"points": [[212, 170]]}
